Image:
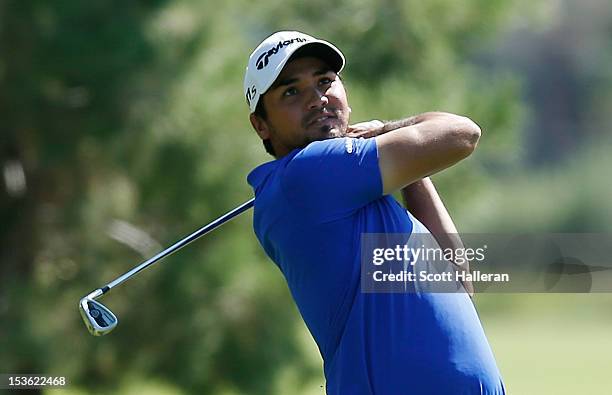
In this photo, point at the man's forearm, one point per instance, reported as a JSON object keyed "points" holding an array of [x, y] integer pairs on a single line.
{"points": [[413, 120], [423, 201], [375, 128]]}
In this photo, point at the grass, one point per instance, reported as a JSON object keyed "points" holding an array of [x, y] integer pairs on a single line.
{"points": [[557, 344]]}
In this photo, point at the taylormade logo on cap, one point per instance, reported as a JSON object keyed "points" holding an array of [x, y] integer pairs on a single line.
{"points": [[262, 61], [268, 59]]}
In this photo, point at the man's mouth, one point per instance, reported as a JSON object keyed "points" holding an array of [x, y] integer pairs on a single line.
{"points": [[321, 118]]}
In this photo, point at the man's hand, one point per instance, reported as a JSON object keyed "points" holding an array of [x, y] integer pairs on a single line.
{"points": [[365, 129]]}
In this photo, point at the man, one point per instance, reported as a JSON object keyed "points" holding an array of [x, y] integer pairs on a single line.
{"points": [[329, 184]]}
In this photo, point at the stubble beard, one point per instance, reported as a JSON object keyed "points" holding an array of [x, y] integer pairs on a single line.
{"points": [[325, 132]]}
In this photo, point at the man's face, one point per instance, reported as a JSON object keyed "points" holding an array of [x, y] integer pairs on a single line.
{"points": [[306, 103]]}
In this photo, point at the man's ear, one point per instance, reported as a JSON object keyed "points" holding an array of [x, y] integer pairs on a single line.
{"points": [[260, 125]]}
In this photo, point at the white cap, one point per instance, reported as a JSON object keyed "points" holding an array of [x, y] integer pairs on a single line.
{"points": [[268, 59]]}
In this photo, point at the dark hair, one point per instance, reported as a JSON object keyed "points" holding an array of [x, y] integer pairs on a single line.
{"points": [[260, 111]]}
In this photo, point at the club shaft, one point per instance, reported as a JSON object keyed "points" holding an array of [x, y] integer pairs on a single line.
{"points": [[176, 246]]}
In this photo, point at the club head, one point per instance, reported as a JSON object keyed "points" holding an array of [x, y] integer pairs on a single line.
{"points": [[98, 319]]}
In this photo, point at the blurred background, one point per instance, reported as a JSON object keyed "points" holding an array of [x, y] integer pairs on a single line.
{"points": [[123, 127]]}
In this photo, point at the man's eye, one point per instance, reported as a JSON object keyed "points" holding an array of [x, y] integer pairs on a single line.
{"points": [[325, 81], [290, 92]]}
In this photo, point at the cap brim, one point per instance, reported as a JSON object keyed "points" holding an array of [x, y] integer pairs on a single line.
{"points": [[321, 51]]}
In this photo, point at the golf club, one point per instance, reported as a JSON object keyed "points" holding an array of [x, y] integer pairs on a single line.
{"points": [[99, 319]]}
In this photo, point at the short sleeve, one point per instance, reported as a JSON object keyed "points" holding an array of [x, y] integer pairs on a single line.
{"points": [[333, 178]]}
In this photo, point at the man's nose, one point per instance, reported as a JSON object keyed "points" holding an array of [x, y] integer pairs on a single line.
{"points": [[317, 99]]}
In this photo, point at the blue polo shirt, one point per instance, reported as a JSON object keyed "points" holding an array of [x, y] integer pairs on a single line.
{"points": [[311, 208]]}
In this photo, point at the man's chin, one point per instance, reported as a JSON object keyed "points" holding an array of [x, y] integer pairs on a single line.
{"points": [[325, 132], [330, 132]]}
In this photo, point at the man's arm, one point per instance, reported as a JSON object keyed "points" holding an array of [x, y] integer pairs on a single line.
{"points": [[429, 143], [423, 201], [449, 138]]}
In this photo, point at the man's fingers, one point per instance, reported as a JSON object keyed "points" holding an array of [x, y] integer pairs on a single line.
{"points": [[357, 133], [365, 129]]}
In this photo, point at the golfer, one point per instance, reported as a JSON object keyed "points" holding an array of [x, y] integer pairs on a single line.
{"points": [[331, 182]]}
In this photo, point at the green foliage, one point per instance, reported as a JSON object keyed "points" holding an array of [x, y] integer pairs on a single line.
{"points": [[572, 198]]}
